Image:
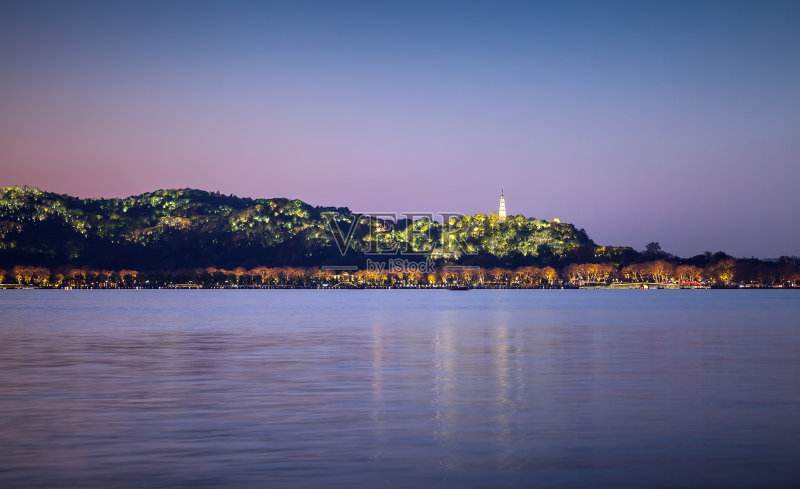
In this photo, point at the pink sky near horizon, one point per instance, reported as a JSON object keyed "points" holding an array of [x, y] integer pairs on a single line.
{"points": [[637, 126]]}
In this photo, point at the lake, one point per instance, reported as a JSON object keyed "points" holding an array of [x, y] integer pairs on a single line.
{"points": [[399, 388]]}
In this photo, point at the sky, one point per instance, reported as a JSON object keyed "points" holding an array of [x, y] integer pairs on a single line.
{"points": [[676, 122]]}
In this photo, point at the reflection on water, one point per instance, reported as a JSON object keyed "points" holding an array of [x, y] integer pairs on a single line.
{"points": [[503, 355], [399, 388]]}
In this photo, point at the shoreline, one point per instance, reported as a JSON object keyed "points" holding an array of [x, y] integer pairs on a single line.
{"points": [[193, 287]]}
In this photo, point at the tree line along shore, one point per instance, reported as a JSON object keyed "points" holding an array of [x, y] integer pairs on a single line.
{"points": [[195, 238], [724, 273]]}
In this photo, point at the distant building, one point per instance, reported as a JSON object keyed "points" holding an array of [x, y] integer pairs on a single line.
{"points": [[501, 213]]}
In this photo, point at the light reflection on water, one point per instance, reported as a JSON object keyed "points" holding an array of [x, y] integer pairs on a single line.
{"points": [[399, 388]]}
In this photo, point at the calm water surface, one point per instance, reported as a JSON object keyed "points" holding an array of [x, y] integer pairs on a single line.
{"points": [[399, 389]]}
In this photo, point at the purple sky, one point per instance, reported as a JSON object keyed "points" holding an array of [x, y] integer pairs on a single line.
{"points": [[678, 124]]}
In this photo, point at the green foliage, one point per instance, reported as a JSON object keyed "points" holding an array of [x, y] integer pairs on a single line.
{"points": [[169, 229]]}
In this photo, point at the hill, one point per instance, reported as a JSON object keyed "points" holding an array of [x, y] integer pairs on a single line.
{"points": [[175, 229]]}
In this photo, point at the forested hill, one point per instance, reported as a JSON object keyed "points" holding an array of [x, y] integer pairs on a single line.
{"points": [[173, 229]]}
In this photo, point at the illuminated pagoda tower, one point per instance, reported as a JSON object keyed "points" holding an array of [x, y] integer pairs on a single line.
{"points": [[501, 213]]}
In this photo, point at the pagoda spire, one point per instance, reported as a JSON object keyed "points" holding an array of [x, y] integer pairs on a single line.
{"points": [[501, 213]]}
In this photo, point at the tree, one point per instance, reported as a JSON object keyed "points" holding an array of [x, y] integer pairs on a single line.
{"points": [[499, 276], [575, 274], [448, 276], [431, 278], [528, 276], [688, 274], [550, 274], [28, 275], [722, 272], [265, 275], [653, 250], [238, 273], [57, 280], [633, 273], [78, 276], [128, 277], [598, 272], [321, 275], [661, 271]]}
